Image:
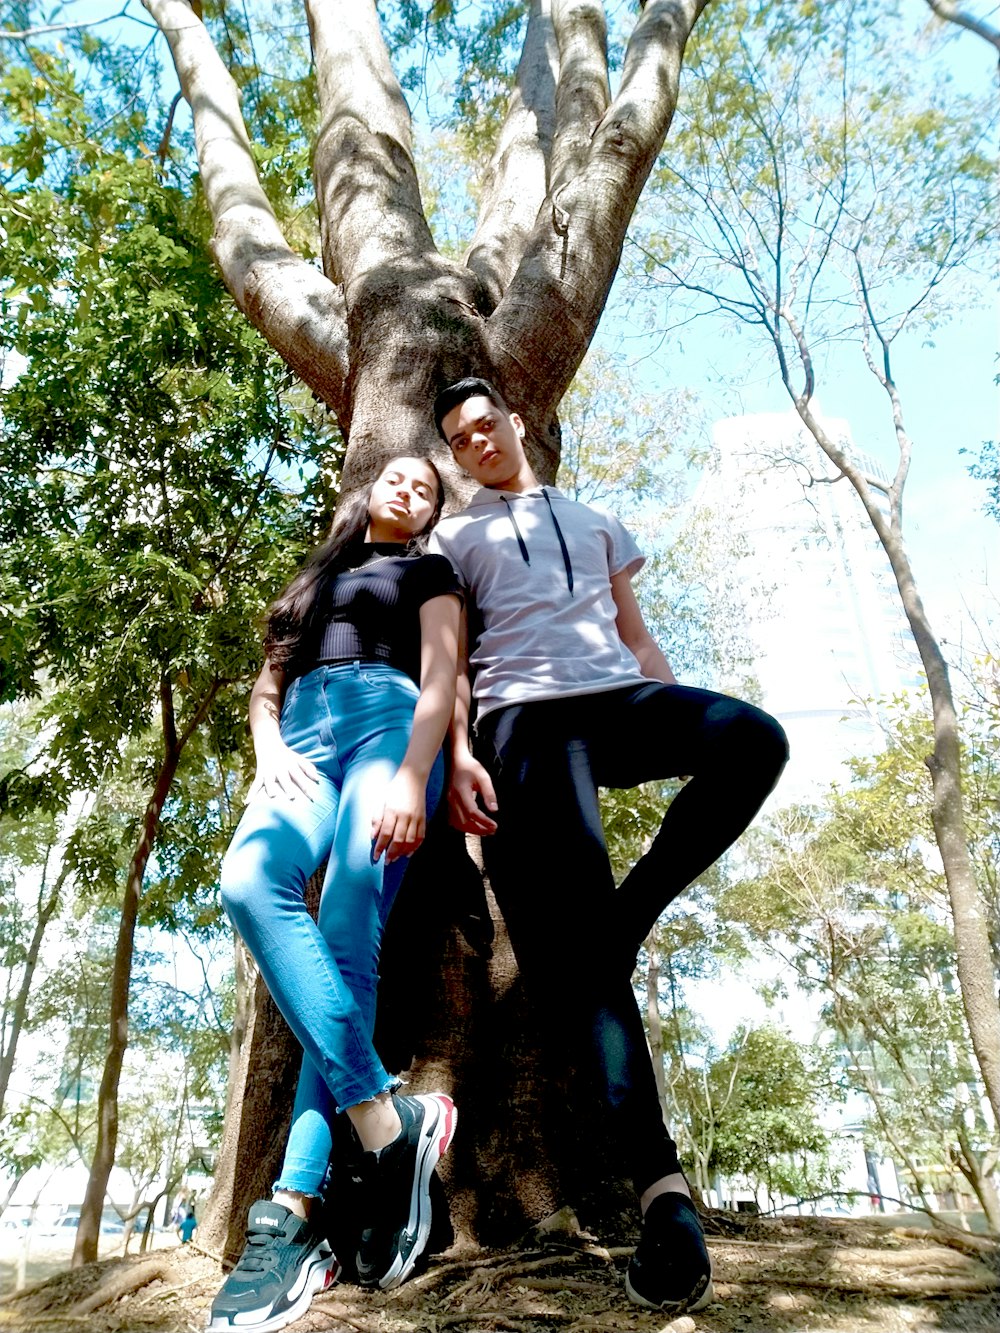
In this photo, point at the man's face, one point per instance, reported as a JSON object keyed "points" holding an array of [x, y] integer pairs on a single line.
{"points": [[488, 443]]}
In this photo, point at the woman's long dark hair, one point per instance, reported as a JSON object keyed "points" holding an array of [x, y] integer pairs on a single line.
{"points": [[292, 616]]}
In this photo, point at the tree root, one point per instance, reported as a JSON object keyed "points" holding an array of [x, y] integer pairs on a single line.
{"points": [[560, 1284], [926, 1288], [167, 1292], [966, 1242], [123, 1284], [22, 1321], [503, 1319], [333, 1309], [506, 1270]]}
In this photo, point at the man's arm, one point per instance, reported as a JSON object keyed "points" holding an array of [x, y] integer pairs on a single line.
{"points": [[634, 634], [468, 777]]}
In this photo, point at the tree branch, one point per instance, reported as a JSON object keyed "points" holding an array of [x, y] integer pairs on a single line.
{"points": [[516, 179], [951, 13], [547, 317], [366, 182], [7, 34], [164, 147], [294, 306], [583, 93]]}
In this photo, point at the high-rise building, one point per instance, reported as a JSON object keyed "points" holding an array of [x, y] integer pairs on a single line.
{"points": [[821, 603]]}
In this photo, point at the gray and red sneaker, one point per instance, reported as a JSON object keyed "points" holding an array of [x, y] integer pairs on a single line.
{"points": [[396, 1190]]}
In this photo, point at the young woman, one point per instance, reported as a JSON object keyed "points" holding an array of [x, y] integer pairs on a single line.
{"points": [[348, 716]]}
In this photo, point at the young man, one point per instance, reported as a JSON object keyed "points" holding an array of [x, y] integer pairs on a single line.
{"points": [[572, 693]]}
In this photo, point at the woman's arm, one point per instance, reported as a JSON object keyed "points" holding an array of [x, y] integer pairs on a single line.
{"points": [[634, 634], [399, 829], [279, 769]]}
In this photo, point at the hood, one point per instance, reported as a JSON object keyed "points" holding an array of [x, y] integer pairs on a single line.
{"points": [[486, 496]]}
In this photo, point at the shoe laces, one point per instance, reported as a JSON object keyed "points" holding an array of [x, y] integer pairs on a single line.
{"points": [[260, 1252]]}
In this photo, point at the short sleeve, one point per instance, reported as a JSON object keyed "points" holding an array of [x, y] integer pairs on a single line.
{"points": [[432, 576], [439, 544], [623, 553]]}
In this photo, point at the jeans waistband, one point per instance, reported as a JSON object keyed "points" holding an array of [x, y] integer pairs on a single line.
{"points": [[353, 666]]}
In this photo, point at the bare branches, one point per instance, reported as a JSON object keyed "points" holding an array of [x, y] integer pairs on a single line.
{"points": [[516, 181], [7, 34], [950, 13], [366, 183], [294, 306]]}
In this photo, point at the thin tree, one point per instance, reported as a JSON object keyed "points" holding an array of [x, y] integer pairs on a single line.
{"points": [[846, 220]]}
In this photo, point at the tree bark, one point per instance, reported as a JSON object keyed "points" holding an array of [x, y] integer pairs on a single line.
{"points": [[949, 12], [516, 180], [298, 310]]}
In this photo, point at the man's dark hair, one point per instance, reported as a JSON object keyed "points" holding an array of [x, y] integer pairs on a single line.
{"points": [[455, 394]]}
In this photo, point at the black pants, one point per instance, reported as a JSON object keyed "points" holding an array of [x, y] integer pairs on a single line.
{"points": [[549, 868]]}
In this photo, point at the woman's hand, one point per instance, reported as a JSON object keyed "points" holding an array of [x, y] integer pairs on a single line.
{"points": [[283, 772], [400, 828]]}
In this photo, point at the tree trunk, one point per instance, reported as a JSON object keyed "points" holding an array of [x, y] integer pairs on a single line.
{"points": [[88, 1232], [388, 323], [971, 1165], [245, 984], [47, 906], [973, 950]]}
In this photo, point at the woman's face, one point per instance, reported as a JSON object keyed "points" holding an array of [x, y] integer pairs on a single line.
{"points": [[402, 501]]}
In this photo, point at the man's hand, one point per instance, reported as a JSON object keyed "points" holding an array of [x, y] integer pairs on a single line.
{"points": [[400, 827], [470, 780], [283, 772]]}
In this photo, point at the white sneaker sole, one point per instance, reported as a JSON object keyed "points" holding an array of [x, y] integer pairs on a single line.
{"points": [[703, 1295], [436, 1134], [320, 1271]]}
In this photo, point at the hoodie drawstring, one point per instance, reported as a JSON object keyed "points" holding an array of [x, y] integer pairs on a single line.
{"points": [[567, 563], [520, 540], [562, 543]]}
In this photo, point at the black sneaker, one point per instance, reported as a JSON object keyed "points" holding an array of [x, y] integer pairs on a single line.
{"points": [[396, 1180], [670, 1269], [284, 1263]]}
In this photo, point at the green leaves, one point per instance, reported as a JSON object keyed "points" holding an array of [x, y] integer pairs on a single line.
{"points": [[851, 896], [161, 481]]}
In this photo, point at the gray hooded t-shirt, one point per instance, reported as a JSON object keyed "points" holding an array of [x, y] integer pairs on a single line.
{"points": [[537, 569]]}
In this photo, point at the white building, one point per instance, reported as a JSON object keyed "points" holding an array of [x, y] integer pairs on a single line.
{"points": [[822, 607]]}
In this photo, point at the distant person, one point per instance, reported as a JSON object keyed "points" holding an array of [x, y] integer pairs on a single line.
{"points": [[348, 716], [573, 693], [188, 1226]]}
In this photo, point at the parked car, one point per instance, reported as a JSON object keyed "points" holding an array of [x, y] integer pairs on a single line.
{"points": [[62, 1226]]}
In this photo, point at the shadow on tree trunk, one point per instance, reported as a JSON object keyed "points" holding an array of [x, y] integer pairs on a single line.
{"points": [[452, 1016]]}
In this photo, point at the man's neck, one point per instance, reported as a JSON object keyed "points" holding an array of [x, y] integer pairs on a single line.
{"points": [[524, 480]]}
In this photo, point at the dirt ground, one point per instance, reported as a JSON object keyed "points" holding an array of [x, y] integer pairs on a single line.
{"points": [[792, 1275]]}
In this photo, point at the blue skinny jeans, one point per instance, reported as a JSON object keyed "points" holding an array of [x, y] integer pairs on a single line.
{"points": [[354, 722]]}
